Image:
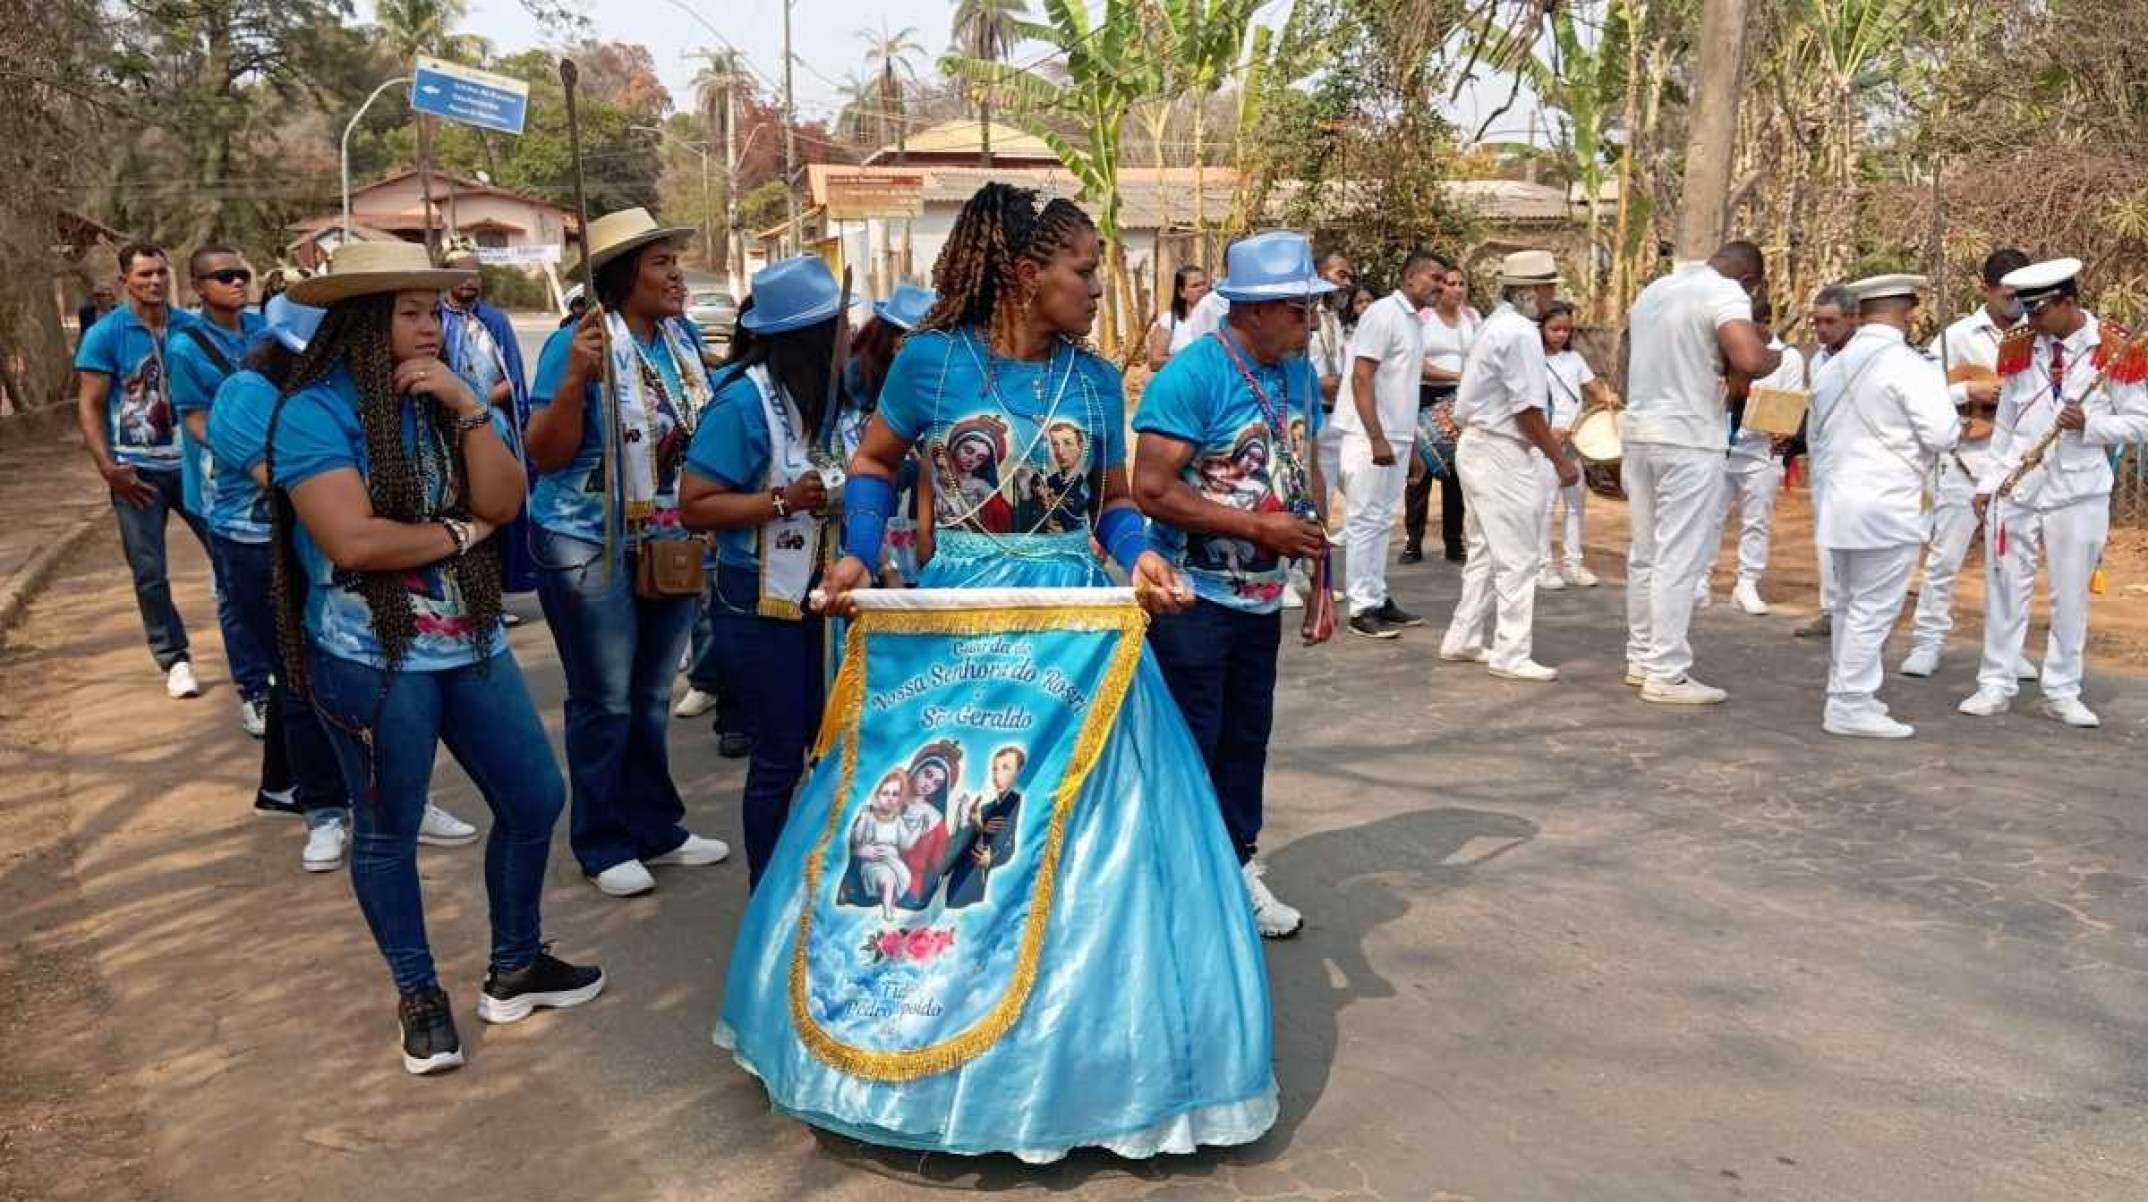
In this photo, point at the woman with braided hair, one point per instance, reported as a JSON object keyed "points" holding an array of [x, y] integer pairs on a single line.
{"points": [[388, 596], [1112, 948]]}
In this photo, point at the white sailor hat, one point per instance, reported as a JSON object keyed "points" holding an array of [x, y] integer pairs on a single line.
{"points": [[2040, 283], [1887, 287]]}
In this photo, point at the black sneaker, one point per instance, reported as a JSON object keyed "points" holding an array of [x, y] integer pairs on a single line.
{"points": [[509, 997], [1394, 615], [734, 744], [1411, 555], [278, 805], [1454, 556], [1368, 625], [430, 1044]]}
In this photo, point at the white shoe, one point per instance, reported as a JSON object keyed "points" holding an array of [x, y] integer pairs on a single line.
{"points": [[2070, 711], [1292, 598], [442, 829], [324, 847], [694, 853], [179, 683], [694, 704], [2024, 670], [1747, 595], [1581, 577], [1922, 662], [1464, 655], [1866, 725], [1550, 581], [1528, 670], [628, 878], [1275, 920], [1635, 678], [253, 716], [1683, 691], [1985, 703]]}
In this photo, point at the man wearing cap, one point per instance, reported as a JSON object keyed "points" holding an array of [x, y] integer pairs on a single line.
{"points": [[1973, 344], [1378, 420], [1688, 329], [1233, 501], [1500, 405], [2076, 386], [1880, 420]]}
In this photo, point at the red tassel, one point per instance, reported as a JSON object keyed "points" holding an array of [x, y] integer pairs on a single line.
{"points": [[2017, 349], [2131, 366]]}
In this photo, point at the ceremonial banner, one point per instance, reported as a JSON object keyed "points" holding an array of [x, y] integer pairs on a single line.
{"points": [[965, 722]]}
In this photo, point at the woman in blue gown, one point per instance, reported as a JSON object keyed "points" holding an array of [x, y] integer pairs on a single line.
{"points": [[1146, 1028]]}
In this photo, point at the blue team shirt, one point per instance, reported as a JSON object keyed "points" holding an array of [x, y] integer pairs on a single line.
{"points": [[238, 435], [732, 447], [195, 379], [570, 501], [140, 424], [1201, 398], [320, 432], [1022, 452]]}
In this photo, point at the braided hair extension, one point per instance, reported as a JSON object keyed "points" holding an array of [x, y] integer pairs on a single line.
{"points": [[355, 334], [998, 227]]}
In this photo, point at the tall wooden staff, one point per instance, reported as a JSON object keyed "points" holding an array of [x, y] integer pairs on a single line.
{"points": [[614, 451]]}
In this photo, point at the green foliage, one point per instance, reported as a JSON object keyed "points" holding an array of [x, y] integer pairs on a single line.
{"points": [[764, 206], [514, 288]]}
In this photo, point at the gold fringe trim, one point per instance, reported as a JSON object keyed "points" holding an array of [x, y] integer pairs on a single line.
{"points": [[845, 710]]}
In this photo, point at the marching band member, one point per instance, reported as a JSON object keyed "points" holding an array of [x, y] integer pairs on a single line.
{"points": [[1972, 342], [1688, 328], [1834, 320], [1501, 409], [1880, 419], [1753, 475], [2073, 394]]}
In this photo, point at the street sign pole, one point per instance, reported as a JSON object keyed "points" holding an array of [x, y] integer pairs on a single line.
{"points": [[355, 118]]}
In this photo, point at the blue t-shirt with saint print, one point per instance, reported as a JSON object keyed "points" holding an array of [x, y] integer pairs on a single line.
{"points": [[238, 437], [140, 424], [570, 501], [195, 376]]}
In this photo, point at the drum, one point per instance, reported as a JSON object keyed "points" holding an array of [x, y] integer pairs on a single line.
{"points": [[1599, 438]]}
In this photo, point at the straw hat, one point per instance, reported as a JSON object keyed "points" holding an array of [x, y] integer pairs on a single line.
{"points": [[615, 234], [369, 268], [1529, 268]]}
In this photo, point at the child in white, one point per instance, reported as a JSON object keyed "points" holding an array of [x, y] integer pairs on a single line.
{"points": [[1573, 386], [879, 837]]}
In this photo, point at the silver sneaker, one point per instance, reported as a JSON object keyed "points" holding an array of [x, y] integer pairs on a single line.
{"points": [[1275, 920]]}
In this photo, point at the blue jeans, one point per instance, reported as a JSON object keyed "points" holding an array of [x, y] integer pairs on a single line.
{"points": [[295, 753], [1220, 664], [484, 714], [141, 537], [777, 665], [619, 653], [709, 668]]}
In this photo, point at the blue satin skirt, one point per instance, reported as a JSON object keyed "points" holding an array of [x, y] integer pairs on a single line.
{"points": [[1148, 1029]]}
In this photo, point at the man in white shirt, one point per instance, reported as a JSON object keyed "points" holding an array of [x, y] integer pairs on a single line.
{"points": [[1687, 328], [1377, 417], [1971, 343], [1753, 476], [1207, 316], [1329, 351], [1880, 421], [2081, 386], [1834, 321], [1501, 408]]}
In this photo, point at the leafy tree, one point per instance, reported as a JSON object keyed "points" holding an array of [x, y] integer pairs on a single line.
{"points": [[986, 30], [888, 56]]}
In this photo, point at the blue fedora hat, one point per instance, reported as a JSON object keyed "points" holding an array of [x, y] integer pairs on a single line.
{"points": [[291, 323], [792, 294], [906, 306], [1277, 265]]}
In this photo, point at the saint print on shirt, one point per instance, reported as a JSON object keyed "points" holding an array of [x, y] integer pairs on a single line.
{"points": [[966, 470], [981, 485], [1242, 479], [144, 416]]}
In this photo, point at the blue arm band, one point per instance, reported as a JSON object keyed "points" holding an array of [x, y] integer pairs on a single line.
{"points": [[867, 502], [1124, 534]]}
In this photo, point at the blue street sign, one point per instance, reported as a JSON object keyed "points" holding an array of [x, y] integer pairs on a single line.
{"points": [[470, 96]]}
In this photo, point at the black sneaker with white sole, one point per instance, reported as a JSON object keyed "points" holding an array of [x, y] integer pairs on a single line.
{"points": [[278, 805], [1394, 615], [1368, 625], [543, 983], [430, 1044]]}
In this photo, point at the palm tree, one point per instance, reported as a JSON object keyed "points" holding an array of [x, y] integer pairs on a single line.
{"points": [[859, 118], [417, 27], [986, 30], [717, 85], [888, 55]]}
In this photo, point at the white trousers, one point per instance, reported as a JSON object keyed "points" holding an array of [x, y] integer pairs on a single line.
{"points": [[1673, 494], [1954, 527], [1327, 447], [2072, 537], [1503, 518], [1750, 486], [1871, 586], [1373, 494], [1576, 496]]}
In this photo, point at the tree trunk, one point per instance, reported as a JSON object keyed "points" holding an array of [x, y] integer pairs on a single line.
{"points": [[1637, 132], [1200, 181], [1709, 141]]}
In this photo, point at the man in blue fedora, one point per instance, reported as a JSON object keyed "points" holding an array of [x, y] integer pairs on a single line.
{"points": [[1225, 472]]}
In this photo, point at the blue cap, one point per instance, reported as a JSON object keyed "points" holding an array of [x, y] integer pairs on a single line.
{"points": [[1277, 265], [907, 306], [791, 295], [291, 323]]}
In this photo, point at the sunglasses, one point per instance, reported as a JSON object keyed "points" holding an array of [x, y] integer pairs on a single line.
{"points": [[230, 275]]}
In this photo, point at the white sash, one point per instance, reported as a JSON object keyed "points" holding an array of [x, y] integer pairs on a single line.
{"points": [[635, 416], [789, 546]]}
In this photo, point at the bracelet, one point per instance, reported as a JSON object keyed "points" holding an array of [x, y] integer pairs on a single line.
{"points": [[464, 425], [783, 509], [459, 531]]}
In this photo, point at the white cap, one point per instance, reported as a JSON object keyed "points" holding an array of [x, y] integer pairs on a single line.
{"points": [[1887, 287], [2040, 282]]}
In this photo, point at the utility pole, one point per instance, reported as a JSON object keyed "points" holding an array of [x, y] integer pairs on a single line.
{"points": [[1529, 163], [425, 180], [790, 140], [890, 91], [1703, 212], [736, 259]]}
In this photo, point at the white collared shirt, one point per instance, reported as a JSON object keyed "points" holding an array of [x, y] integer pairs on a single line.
{"points": [[1504, 376], [1390, 335], [1675, 383], [1749, 443], [2078, 466], [1880, 419], [1972, 340]]}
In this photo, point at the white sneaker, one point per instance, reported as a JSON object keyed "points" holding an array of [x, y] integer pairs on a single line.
{"points": [[1528, 670], [1275, 920], [253, 716], [179, 683], [1869, 724], [1683, 691], [694, 704], [1921, 662], [2070, 711], [625, 879], [324, 847], [2024, 670], [694, 853], [1464, 655], [1550, 581], [1581, 577], [1985, 703], [1635, 678], [1747, 595], [442, 829]]}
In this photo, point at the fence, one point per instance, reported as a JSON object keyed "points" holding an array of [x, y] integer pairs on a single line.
{"points": [[2129, 497]]}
